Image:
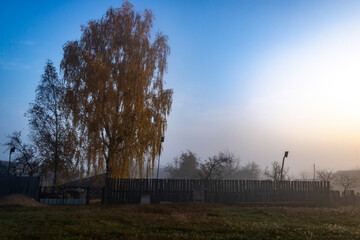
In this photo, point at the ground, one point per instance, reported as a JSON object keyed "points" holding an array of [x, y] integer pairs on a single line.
{"points": [[19, 200], [177, 221]]}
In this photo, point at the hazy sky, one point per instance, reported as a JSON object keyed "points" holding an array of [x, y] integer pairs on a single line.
{"points": [[254, 77]]}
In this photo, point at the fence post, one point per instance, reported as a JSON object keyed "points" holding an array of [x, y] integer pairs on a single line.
{"points": [[103, 195], [87, 195], [39, 194]]}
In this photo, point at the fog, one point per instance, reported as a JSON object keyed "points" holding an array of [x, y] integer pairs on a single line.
{"points": [[303, 97]]}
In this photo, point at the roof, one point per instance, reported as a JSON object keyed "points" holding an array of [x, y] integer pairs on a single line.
{"points": [[97, 181], [353, 173]]}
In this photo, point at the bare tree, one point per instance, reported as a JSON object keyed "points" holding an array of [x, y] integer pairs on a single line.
{"points": [[115, 91], [346, 181], [305, 176], [51, 132], [325, 175], [184, 167], [222, 165], [274, 172], [24, 162]]}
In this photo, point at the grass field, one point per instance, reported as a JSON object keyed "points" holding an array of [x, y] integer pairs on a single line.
{"points": [[178, 221]]}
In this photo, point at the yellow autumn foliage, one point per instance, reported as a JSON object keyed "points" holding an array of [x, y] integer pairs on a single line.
{"points": [[115, 92]]}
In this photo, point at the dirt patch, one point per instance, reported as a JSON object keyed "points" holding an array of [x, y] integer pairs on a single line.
{"points": [[19, 200]]}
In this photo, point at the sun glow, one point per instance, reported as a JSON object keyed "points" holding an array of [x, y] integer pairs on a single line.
{"points": [[313, 86], [308, 92]]}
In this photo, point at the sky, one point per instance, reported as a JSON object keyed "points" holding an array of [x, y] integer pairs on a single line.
{"points": [[256, 78]]}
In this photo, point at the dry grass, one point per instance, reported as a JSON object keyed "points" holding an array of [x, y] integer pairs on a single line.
{"points": [[19, 200], [178, 221]]}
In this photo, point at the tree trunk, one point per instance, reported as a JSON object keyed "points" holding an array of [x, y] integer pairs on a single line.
{"points": [[54, 180]]}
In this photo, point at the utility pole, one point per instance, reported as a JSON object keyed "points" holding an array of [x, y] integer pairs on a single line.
{"points": [[11, 151], [314, 173], [162, 140], [282, 166]]}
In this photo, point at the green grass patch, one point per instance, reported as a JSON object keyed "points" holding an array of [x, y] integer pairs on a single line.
{"points": [[178, 221]]}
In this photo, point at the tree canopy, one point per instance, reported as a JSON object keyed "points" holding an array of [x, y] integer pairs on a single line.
{"points": [[24, 162], [184, 167], [220, 166], [115, 91], [224, 165], [274, 172]]}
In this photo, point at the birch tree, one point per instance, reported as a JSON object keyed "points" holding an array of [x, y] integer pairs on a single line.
{"points": [[51, 132], [115, 91]]}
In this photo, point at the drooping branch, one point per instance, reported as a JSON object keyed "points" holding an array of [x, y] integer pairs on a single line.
{"points": [[115, 89]]}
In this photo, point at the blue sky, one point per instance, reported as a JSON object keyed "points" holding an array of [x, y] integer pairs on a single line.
{"points": [[242, 73]]}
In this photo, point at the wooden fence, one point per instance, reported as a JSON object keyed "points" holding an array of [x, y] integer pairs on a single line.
{"points": [[20, 185], [345, 198], [130, 191]]}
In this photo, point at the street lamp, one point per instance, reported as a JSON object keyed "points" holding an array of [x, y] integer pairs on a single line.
{"points": [[282, 166], [11, 151], [162, 140]]}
